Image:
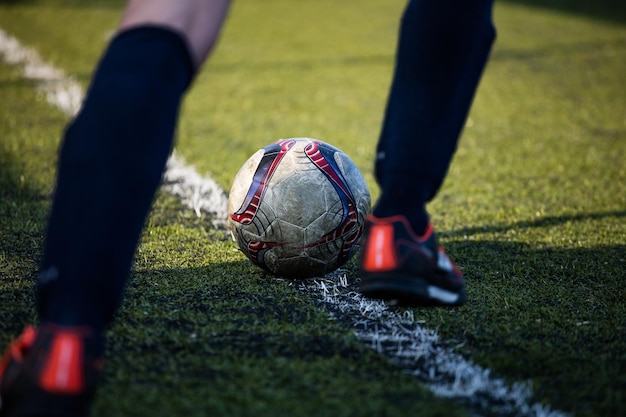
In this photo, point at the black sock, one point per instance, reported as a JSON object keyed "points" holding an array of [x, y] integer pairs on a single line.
{"points": [[110, 165], [406, 200], [442, 50]]}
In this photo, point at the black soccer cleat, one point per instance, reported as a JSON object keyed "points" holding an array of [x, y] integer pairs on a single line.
{"points": [[405, 269], [50, 371]]}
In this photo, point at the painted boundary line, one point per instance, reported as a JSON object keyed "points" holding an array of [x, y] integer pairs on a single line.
{"points": [[397, 336], [64, 92]]}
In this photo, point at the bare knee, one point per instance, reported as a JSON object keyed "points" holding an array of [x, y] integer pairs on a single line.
{"points": [[199, 21]]}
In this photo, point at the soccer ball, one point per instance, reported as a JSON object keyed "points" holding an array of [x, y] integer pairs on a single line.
{"points": [[297, 207]]}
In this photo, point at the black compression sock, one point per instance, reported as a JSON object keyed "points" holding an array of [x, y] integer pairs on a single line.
{"points": [[442, 49], [110, 165]]}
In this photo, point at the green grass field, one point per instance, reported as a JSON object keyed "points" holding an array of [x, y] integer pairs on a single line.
{"points": [[533, 210]]}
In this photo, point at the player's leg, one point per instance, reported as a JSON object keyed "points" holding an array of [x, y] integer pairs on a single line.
{"points": [[199, 21], [110, 165], [443, 47], [114, 153]]}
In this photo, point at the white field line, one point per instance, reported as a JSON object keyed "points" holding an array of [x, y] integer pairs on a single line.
{"points": [[397, 336], [201, 194], [402, 339]]}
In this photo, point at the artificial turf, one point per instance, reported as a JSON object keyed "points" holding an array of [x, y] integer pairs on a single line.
{"points": [[533, 210]]}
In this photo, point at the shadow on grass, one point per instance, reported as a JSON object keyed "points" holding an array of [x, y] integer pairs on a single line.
{"points": [[194, 325], [547, 221], [20, 237], [511, 269], [560, 310], [22, 213]]}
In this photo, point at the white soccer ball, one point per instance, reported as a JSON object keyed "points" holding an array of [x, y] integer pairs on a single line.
{"points": [[297, 207]]}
